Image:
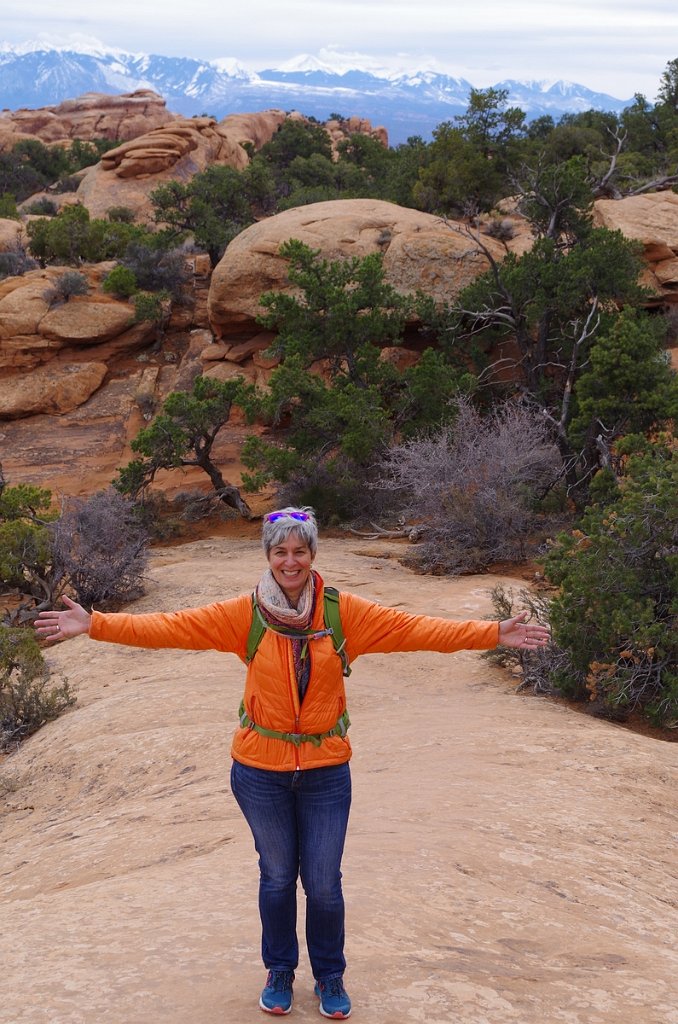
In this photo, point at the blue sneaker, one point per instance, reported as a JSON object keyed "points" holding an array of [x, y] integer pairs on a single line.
{"points": [[277, 994], [334, 1001]]}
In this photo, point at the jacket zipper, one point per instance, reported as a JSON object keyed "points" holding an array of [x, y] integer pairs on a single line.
{"points": [[294, 693]]}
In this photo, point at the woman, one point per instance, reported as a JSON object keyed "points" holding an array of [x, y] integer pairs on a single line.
{"points": [[290, 773]]}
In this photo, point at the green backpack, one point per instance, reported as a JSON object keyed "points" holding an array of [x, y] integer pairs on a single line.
{"points": [[333, 628]]}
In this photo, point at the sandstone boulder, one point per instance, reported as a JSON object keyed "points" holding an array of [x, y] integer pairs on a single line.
{"points": [[651, 219], [11, 233], [56, 388], [33, 329], [24, 301], [91, 116], [420, 251], [339, 131], [127, 175], [86, 322]]}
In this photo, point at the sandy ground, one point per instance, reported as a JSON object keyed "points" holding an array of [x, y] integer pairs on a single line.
{"points": [[509, 861]]}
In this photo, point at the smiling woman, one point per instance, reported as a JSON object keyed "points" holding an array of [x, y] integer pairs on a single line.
{"points": [[290, 774]]}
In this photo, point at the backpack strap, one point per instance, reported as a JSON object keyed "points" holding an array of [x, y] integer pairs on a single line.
{"points": [[257, 630], [340, 729], [332, 620]]}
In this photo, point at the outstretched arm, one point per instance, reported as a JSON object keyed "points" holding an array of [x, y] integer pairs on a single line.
{"points": [[526, 636], [222, 626], [53, 625]]}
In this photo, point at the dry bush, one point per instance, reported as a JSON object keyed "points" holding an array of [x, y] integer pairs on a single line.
{"points": [[101, 548], [473, 485], [540, 668]]}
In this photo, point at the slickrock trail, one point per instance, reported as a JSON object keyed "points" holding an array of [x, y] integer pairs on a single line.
{"points": [[509, 861]]}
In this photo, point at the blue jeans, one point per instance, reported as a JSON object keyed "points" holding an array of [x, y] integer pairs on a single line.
{"points": [[298, 820]]}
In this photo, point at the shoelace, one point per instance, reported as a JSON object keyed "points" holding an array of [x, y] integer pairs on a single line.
{"points": [[279, 981]]}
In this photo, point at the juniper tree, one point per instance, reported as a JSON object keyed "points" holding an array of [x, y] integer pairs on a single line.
{"points": [[183, 434]]}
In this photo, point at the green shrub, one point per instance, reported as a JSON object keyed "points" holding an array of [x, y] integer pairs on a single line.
{"points": [[121, 282], [72, 237], [27, 699], [43, 207], [157, 270], [123, 214], [616, 611], [8, 208]]}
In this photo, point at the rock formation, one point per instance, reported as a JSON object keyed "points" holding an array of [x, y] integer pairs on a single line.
{"points": [[177, 151], [127, 175], [91, 417], [11, 233], [91, 116], [420, 251], [338, 131], [34, 329], [651, 219]]}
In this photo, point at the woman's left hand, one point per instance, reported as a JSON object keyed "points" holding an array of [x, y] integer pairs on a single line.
{"points": [[525, 636]]}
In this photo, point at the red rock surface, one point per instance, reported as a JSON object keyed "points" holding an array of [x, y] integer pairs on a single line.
{"points": [[508, 861], [91, 116], [652, 220]]}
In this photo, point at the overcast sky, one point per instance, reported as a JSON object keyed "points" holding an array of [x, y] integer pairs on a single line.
{"points": [[616, 46]]}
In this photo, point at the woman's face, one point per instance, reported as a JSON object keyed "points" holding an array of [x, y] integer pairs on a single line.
{"points": [[290, 563]]}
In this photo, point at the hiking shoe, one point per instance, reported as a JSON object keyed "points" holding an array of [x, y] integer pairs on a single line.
{"points": [[277, 993], [334, 1001]]}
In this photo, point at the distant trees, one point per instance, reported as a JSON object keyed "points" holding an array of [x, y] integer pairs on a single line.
{"points": [[74, 237], [213, 207], [668, 86], [30, 166], [467, 164]]}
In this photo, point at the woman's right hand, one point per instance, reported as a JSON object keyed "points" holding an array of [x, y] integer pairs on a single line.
{"points": [[55, 625]]}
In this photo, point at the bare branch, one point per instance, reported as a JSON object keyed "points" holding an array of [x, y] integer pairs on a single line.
{"points": [[604, 186]]}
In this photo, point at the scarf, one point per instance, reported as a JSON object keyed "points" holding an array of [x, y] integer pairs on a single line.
{"points": [[276, 610]]}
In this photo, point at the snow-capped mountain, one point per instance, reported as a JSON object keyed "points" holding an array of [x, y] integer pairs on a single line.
{"points": [[406, 102]]}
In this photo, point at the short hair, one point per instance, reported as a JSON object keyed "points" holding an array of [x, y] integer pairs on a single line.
{"points": [[278, 531]]}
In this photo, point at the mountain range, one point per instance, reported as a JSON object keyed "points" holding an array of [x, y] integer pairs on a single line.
{"points": [[35, 75]]}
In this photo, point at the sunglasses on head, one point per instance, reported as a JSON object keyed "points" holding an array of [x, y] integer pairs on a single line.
{"points": [[273, 517]]}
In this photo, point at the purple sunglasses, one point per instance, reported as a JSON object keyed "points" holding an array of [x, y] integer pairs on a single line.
{"points": [[273, 517]]}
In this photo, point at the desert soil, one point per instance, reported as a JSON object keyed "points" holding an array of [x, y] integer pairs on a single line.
{"points": [[509, 861]]}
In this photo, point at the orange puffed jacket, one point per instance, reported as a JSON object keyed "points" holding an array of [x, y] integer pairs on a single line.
{"points": [[271, 692]]}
